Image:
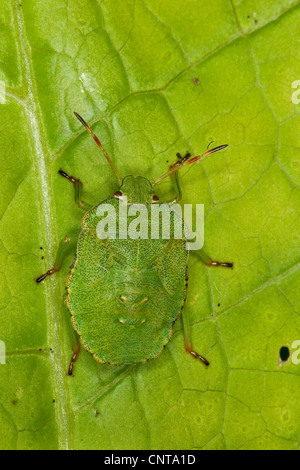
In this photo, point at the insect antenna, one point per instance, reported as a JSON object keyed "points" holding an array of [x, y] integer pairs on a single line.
{"points": [[100, 146], [187, 160]]}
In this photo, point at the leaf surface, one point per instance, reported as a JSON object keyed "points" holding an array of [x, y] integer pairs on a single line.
{"points": [[153, 78]]}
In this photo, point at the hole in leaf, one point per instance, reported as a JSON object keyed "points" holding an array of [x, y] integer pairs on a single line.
{"points": [[284, 353]]}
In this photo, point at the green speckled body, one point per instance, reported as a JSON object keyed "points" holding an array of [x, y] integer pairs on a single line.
{"points": [[125, 295]]}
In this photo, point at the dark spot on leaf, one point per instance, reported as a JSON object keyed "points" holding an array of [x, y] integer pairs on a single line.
{"points": [[41, 248], [196, 80], [219, 305], [284, 353]]}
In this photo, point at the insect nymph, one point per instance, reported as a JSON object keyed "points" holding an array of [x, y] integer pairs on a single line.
{"points": [[124, 295]]}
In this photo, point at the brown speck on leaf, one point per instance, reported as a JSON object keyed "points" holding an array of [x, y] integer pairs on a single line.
{"points": [[196, 80], [254, 17]]}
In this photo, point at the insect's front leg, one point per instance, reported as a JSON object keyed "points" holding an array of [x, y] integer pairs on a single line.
{"points": [[77, 190], [178, 194], [62, 248], [175, 179]]}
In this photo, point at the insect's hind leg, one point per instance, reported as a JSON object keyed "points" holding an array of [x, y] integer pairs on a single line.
{"points": [[76, 352], [75, 345], [62, 248], [73, 336], [61, 252], [188, 339]]}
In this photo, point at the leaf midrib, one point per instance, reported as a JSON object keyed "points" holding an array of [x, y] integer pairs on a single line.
{"points": [[49, 235]]}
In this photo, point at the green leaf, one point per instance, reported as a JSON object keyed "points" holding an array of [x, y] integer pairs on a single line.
{"points": [[153, 77]]}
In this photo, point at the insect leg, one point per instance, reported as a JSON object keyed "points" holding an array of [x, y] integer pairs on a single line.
{"points": [[209, 262], [188, 339], [58, 260], [74, 357], [74, 339], [77, 189], [175, 179], [178, 194]]}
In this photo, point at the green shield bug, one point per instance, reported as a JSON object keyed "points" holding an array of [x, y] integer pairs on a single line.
{"points": [[124, 293]]}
